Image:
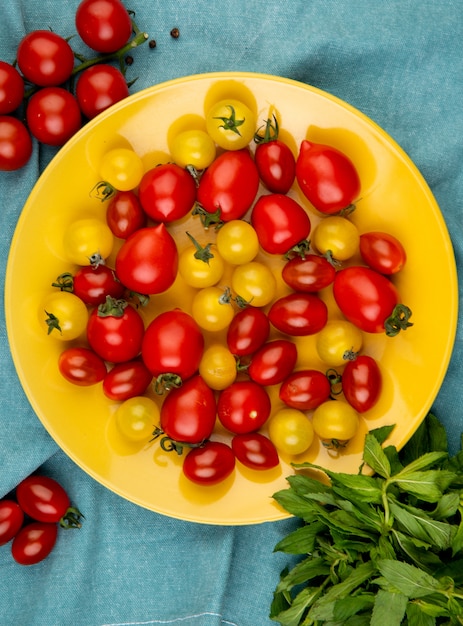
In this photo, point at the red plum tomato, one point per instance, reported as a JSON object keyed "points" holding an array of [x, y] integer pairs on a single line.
{"points": [[11, 88], [210, 464], [42, 498], [127, 380], [125, 214], [382, 252], [362, 382], [45, 58], [248, 331], [255, 451], [298, 314], [309, 274], [53, 115], [273, 362], [305, 389], [167, 192], [243, 407], [11, 520], [104, 25], [99, 87], [15, 144], [81, 366], [327, 177]]}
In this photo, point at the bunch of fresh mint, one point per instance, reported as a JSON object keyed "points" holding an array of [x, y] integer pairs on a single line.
{"points": [[382, 549]]}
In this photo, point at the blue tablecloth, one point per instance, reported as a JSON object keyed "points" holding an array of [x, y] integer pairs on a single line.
{"points": [[398, 62]]}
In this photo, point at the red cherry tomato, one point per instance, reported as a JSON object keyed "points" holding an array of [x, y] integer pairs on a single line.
{"points": [[81, 366], [229, 186], [167, 192], [305, 389], [255, 451], [15, 144], [382, 252], [188, 413], [243, 407], [99, 87], [210, 464], [115, 331], [327, 177], [11, 88], [45, 58], [280, 223], [274, 159], [147, 261], [125, 214], [309, 274], [104, 25], [248, 331], [34, 542], [53, 115], [361, 383], [273, 362], [173, 344], [42, 498], [11, 520], [298, 314], [370, 301], [127, 380], [92, 284]]}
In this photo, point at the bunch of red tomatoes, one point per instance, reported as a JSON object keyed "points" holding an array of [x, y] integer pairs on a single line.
{"points": [[32, 518], [37, 93], [251, 330]]}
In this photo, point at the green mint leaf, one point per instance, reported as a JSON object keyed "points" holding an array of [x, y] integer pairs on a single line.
{"points": [[389, 608], [408, 579], [374, 456]]}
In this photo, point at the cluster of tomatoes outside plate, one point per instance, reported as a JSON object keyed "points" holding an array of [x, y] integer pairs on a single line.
{"points": [[229, 359]]}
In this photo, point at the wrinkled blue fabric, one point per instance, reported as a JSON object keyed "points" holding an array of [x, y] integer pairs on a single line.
{"points": [[398, 62]]}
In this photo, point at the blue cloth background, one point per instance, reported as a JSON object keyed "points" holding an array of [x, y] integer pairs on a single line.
{"points": [[398, 62]]}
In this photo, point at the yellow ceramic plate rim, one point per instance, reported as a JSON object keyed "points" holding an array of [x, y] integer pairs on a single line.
{"points": [[153, 479]]}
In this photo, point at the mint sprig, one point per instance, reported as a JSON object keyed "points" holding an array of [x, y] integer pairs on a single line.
{"points": [[381, 549]]}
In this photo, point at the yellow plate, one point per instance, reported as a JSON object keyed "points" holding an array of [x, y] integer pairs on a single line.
{"points": [[394, 198]]}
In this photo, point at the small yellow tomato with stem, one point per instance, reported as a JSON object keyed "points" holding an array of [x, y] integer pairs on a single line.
{"points": [[291, 431]]}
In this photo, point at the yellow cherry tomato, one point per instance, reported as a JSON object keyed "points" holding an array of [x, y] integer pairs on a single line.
{"points": [[335, 422], [193, 147], [88, 240], [212, 309], [254, 283], [122, 168], [291, 431], [200, 266], [336, 236], [137, 417], [231, 124], [218, 367], [237, 242], [63, 315], [338, 342]]}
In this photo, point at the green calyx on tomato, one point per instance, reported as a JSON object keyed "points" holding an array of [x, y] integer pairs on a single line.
{"points": [[398, 320], [230, 123]]}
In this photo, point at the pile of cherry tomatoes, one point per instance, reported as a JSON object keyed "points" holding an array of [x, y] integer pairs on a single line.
{"points": [[32, 517], [38, 93], [214, 176]]}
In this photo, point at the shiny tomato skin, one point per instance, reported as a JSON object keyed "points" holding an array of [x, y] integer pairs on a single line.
{"points": [[104, 25], [167, 192], [15, 144], [81, 366], [273, 362], [362, 383], [11, 520], [116, 338], [280, 223], [99, 87], [93, 284], [174, 344], [276, 165], [248, 331], [147, 261], [327, 177], [210, 464], [45, 58], [188, 413], [243, 407], [305, 389], [42, 498], [382, 252], [34, 542], [298, 314], [125, 214], [365, 297], [53, 115], [309, 274], [255, 451], [127, 380], [229, 185]]}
